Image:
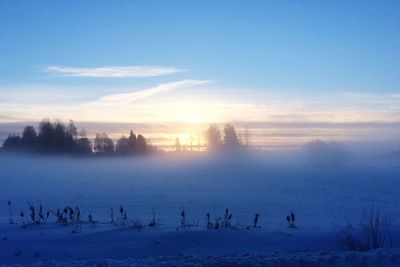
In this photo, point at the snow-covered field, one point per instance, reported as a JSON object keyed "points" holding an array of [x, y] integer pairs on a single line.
{"points": [[272, 184]]}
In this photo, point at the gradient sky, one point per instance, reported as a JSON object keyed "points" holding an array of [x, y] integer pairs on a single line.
{"points": [[200, 61]]}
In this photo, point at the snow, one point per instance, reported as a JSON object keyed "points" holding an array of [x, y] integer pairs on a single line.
{"points": [[271, 184], [376, 258], [107, 245]]}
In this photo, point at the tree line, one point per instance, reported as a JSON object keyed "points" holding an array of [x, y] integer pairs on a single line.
{"points": [[216, 141], [59, 138]]}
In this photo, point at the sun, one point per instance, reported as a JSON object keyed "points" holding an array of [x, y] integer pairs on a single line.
{"points": [[192, 118], [192, 113]]}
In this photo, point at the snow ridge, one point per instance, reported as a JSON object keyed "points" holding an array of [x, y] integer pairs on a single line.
{"points": [[374, 258]]}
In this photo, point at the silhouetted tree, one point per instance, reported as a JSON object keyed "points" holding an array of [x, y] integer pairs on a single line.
{"points": [[29, 139], [60, 136], [71, 136], [72, 130], [83, 145], [131, 142], [141, 144], [214, 137], [122, 146], [231, 140], [12, 143], [56, 137], [103, 144], [46, 136]]}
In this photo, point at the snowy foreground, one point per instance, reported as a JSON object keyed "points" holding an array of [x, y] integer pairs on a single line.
{"points": [[323, 258], [324, 200], [105, 245]]}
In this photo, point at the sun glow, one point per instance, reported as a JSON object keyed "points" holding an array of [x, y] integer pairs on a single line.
{"points": [[192, 118], [192, 112]]}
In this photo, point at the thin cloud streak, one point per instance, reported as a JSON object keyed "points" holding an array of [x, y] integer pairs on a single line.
{"points": [[113, 71], [173, 103], [126, 98]]}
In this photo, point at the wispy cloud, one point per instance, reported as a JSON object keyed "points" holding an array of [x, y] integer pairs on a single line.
{"points": [[126, 98], [177, 102], [113, 71]]}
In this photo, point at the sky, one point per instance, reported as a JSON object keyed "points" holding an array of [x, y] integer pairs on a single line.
{"points": [[199, 62]]}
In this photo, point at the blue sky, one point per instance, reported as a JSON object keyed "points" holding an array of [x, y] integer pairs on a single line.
{"points": [[320, 60]]}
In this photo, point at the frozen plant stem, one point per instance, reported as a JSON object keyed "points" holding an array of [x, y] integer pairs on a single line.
{"points": [[10, 219]]}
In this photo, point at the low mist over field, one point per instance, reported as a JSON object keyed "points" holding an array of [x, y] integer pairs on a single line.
{"points": [[323, 184]]}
